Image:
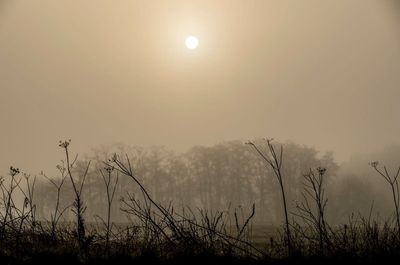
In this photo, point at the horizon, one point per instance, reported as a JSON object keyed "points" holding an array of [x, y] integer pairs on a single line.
{"points": [[322, 74]]}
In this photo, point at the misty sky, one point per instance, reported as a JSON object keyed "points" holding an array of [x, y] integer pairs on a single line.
{"points": [[321, 73]]}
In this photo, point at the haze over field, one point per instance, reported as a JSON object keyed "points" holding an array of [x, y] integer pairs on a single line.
{"points": [[199, 131], [320, 73]]}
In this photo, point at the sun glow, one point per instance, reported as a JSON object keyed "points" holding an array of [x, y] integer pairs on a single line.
{"points": [[191, 42]]}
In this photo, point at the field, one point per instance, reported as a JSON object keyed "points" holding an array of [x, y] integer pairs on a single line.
{"points": [[159, 234]]}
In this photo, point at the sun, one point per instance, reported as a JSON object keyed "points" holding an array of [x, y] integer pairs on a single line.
{"points": [[192, 42]]}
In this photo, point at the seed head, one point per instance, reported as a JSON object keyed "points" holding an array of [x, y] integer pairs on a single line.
{"points": [[113, 158], [321, 170], [109, 169], [64, 144], [374, 164], [14, 171], [26, 202]]}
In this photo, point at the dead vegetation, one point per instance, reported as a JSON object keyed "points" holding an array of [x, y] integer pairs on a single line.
{"points": [[164, 233]]}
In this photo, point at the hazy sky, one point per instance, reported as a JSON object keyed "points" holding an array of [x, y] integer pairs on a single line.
{"points": [[321, 73]]}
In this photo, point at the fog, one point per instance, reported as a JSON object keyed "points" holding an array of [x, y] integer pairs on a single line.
{"points": [[321, 73], [316, 75], [230, 177]]}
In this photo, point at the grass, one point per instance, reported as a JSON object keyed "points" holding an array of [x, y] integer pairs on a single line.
{"points": [[161, 234]]}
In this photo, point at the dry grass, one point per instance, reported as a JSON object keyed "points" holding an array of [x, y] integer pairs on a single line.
{"points": [[162, 234]]}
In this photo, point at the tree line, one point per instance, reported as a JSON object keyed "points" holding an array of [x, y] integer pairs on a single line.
{"points": [[226, 175]]}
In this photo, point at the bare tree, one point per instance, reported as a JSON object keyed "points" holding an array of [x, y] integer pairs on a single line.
{"points": [[394, 185], [58, 213], [78, 207], [314, 215], [274, 160], [110, 191], [8, 201]]}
